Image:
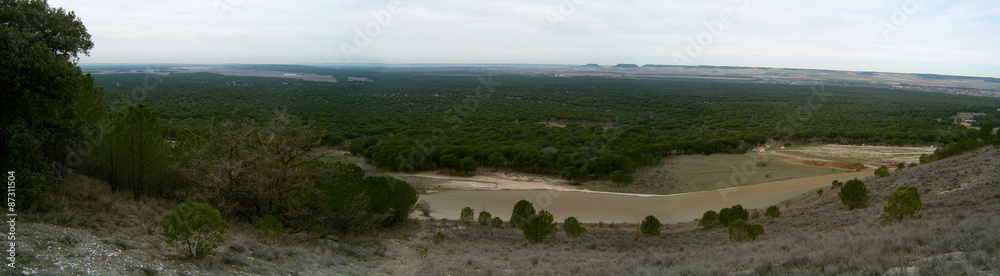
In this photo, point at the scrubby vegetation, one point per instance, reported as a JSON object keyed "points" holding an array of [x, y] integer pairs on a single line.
{"points": [[573, 228], [728, 215], [496, 222], [882, 171], [773, 212], [270, 226], [740, 231], [709, 220], [902, 204], [194, 229], [523, 210], [650, 226], [484, 218], [467, 216], [539, 227], [854, 194]]}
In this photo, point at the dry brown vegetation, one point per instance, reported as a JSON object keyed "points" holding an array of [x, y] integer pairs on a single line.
{"points": [[90, 230], [840, 165]]}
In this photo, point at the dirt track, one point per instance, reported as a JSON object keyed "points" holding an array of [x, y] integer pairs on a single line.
{"points": [[607, 207]]}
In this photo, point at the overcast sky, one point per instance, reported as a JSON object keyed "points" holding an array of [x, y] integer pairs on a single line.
{"points": [[921, 36]]}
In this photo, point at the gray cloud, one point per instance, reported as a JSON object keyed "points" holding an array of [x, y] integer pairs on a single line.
{"points": [[937, 37]]}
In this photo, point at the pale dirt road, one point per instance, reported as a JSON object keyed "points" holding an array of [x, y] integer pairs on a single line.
{"points": [[596, 207]]}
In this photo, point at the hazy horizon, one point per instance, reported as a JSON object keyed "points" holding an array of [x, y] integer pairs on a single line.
{"points": [[906, 36]]}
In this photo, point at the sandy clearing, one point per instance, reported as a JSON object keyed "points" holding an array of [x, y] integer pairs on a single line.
{"points": [[484, 180], [596, 207]]}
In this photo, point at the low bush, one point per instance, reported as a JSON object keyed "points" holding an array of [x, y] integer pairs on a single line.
{"points": [[773, 212], [523, 209], [467, 216], [194, 229], [854, 194], [882, 171], [728, 215], [709, 219], [496, 222], [484, 218], [903, 204], [573, 228], [539, 227], [650, 226]]}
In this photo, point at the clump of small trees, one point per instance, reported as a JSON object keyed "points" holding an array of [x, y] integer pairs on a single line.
{"points": [[724, 217], [740, 230], [735, 219]]}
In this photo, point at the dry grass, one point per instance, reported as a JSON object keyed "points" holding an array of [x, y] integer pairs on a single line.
{"points": [[814, 235], [107, 233]]}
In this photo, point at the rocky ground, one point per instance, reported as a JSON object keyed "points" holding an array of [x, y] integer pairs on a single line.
{"points": [[91, 231]]}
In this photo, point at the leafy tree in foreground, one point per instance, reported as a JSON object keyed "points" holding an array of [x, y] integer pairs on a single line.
{"points": [[573, 228], [709, 219], [522, 210], [773, 211], [854, 194], [467, 216], [903, 204], [882, 171], [194, 228], [650, 226], [51, 107], [496, 222], [539, 227], [484, 218]]}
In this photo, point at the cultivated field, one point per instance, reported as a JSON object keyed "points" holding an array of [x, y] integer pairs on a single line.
{"points": [[691, 173], [871, 155]]}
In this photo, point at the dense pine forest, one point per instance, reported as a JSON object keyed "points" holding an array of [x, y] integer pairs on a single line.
{"points": [[578, 126]]}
